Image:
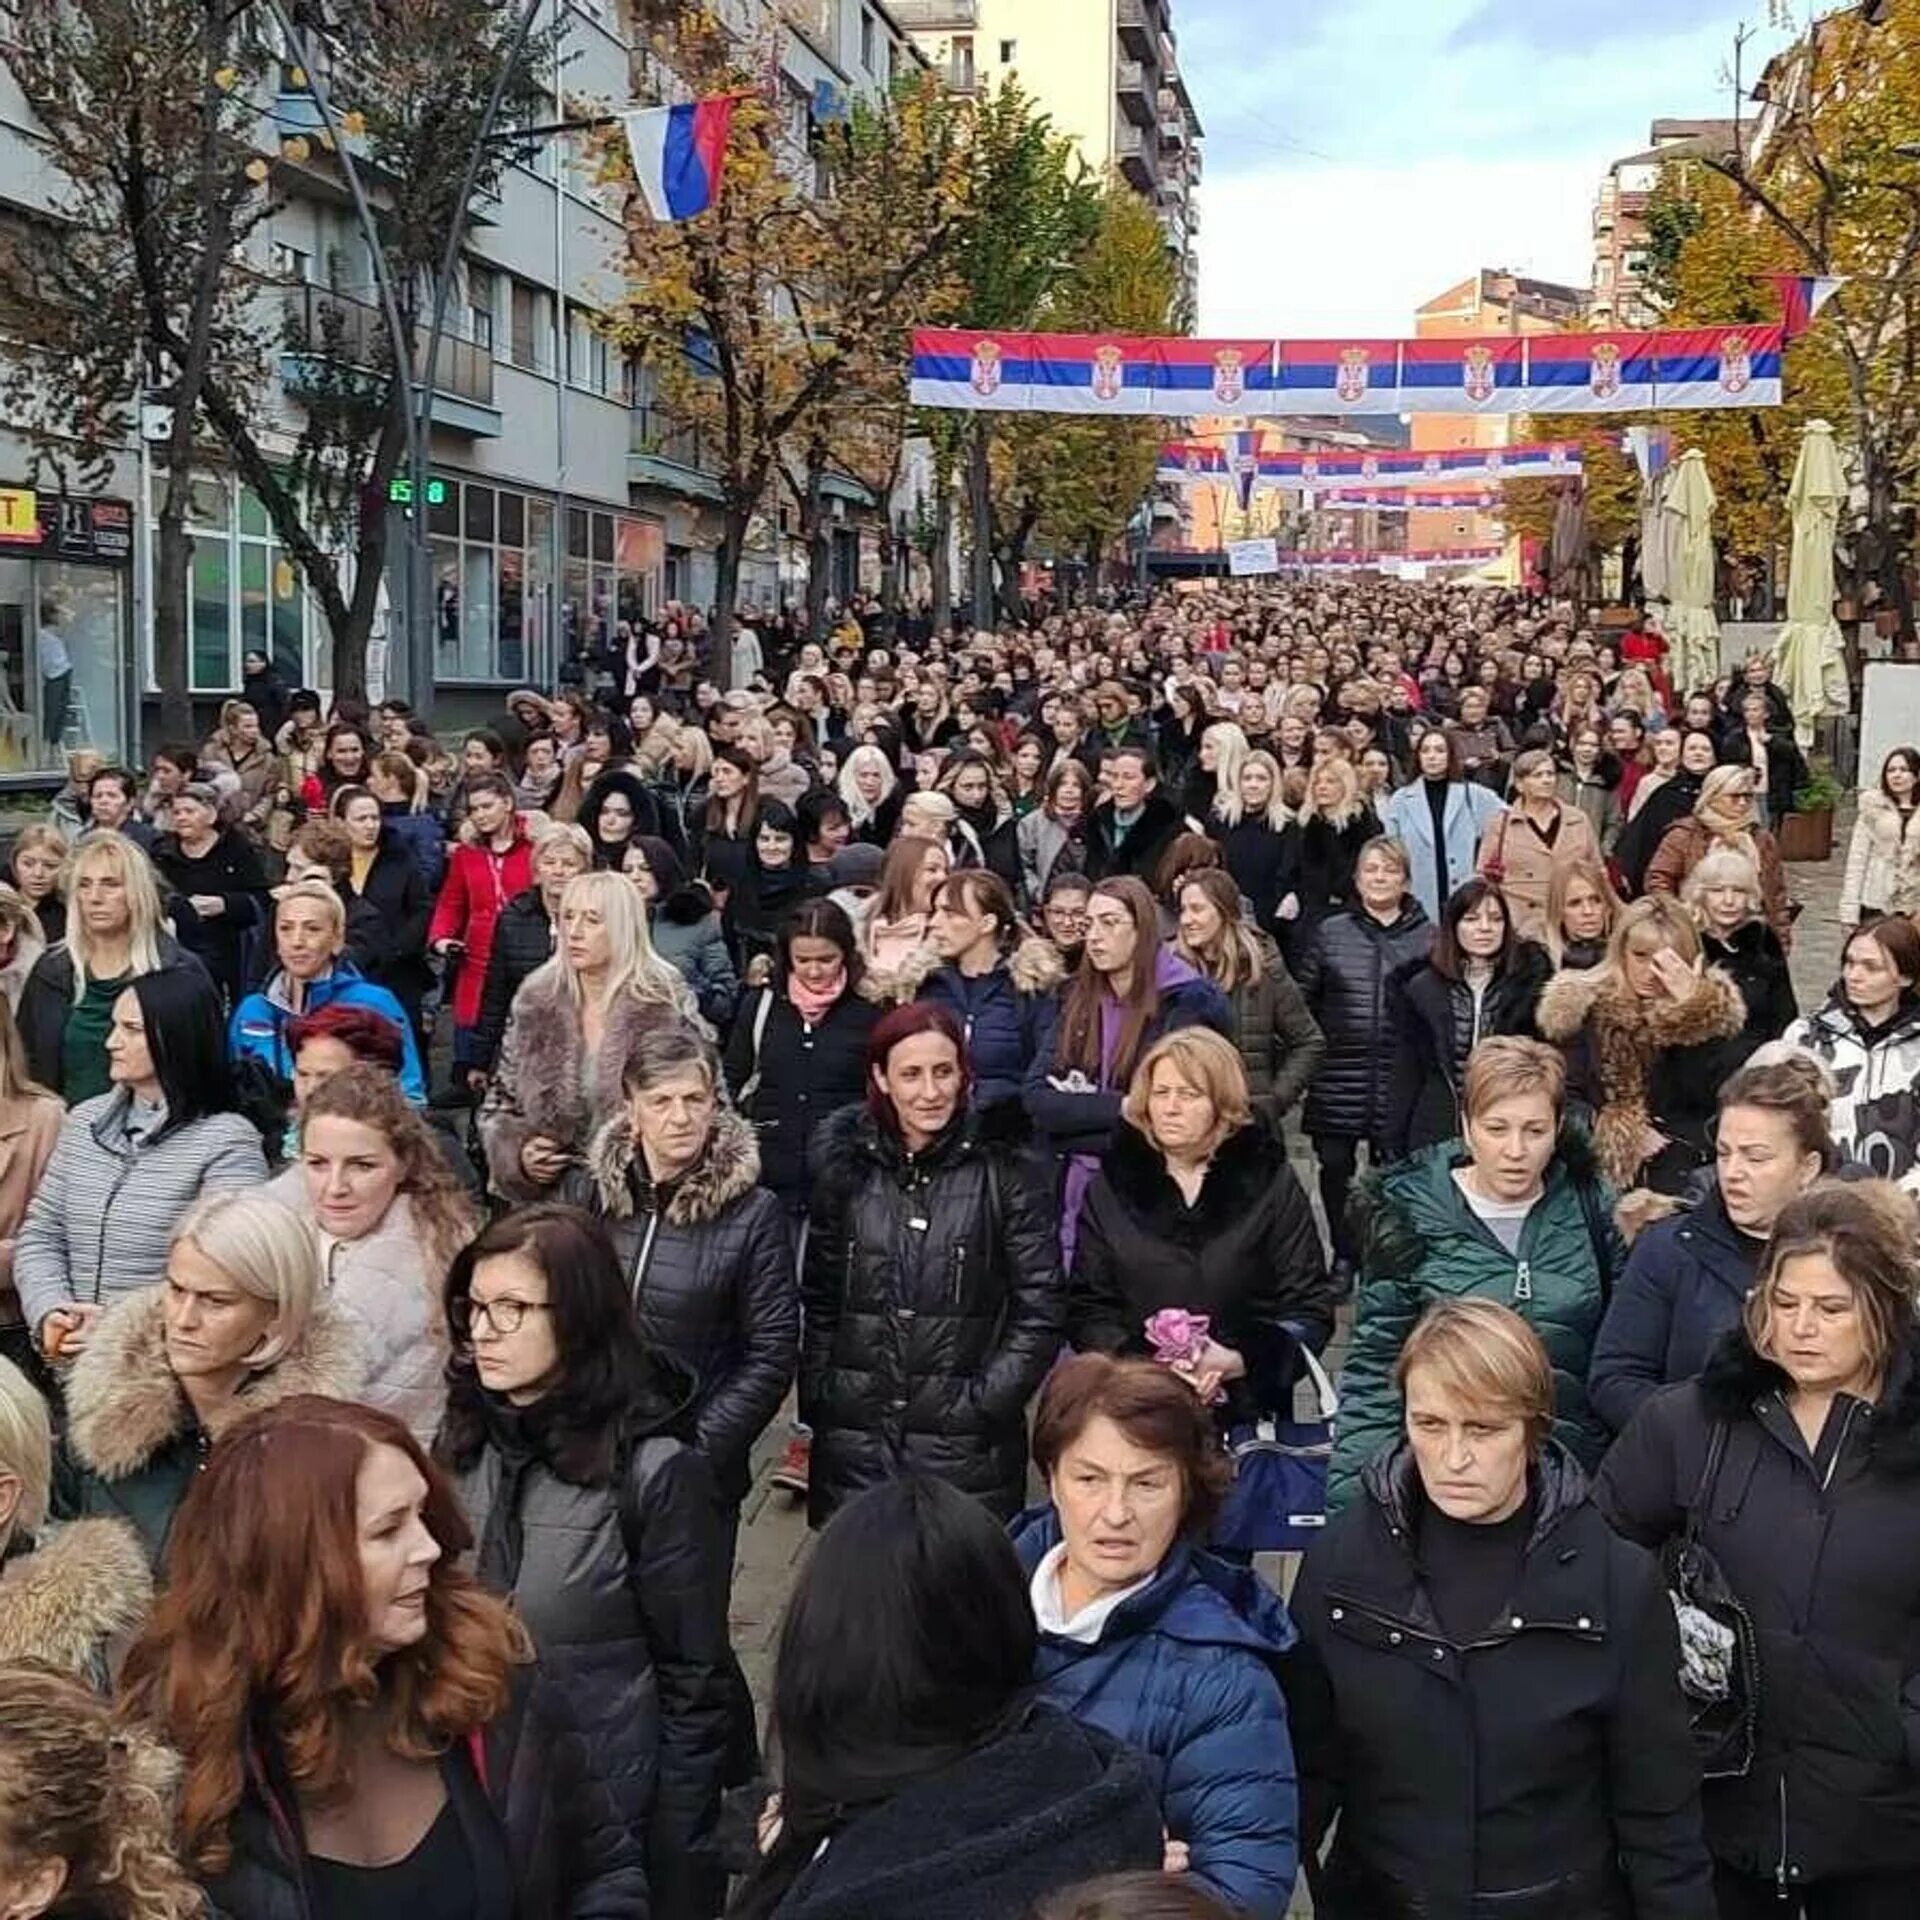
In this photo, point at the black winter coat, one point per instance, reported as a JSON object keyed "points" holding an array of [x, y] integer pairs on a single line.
{"points": [[1684, 1288], [1753, 961], [398, 893], [1347, 976], [806, 1073], [624, 1587], [1824, 1549], [1046, 1805], [1318, 858], [522, 943], [224, 942], [1545, 1761], [1246, 1253], [541, 1828], [709, 1263], [1136, 851], [1255, 854], [1436, 1028], [934, 1306]]}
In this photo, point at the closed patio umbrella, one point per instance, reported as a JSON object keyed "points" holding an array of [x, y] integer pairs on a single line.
{"points": [[1693, 634], [1809, 661]]}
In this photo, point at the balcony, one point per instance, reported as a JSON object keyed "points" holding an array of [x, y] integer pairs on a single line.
{"points": [[936, 16], [1133, 84], [1140, 24], [665, 453], [1138, 158], [335, 344]]}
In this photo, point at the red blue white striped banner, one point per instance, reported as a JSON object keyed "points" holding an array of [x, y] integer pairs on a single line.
{"points": [[1377, 470], [1132, 376]]}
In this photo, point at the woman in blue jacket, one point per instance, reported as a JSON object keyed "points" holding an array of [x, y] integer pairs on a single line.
{"points": [[1148, 1638], [1440, 819]]}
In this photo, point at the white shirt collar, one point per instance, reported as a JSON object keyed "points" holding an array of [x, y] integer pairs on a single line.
{"points": [[1049, 1609]]}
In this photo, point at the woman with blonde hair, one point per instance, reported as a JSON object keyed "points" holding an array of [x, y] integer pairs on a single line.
{"points": [[1322, 846], [1196, 1207], [86, 1808], [873, 793], [1724, 894], [244, 1317], [572, 1029], [34, 864], [1216, 773], [1254, 844], [391, 1217], [1640, 1032], [115, 933], [1281, 1045], [1581, 909], [1724, 815], [897, 929]]}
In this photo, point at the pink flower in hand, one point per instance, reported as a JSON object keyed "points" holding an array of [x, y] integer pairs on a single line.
{"points": [[1177, 1335]]}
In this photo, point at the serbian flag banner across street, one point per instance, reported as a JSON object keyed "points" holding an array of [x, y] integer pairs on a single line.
{"points": [[678, 153]]}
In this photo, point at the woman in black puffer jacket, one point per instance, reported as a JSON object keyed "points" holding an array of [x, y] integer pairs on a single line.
{"points": [[1480, 979], [601, 1522], [1800, 1448], [523, 935], [1347, 975], [705, 1249], [934, 1304]]}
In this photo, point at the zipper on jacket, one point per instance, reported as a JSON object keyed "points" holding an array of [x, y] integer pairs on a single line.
{"points": [[1523, 1281], [641, 1259], [106, 1214], [1780, 1872]]}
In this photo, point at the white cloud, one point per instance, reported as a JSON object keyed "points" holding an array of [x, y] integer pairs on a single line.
{"points": [[1319, 251]]}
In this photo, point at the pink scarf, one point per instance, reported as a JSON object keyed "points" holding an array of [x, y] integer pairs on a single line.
{"points": [[813, 1005]]}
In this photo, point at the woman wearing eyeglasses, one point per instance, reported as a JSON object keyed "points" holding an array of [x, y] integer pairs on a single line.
{"points": [[569, 1443], [1725, 815]]}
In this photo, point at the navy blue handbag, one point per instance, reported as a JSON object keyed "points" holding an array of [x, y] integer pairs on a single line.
{"points": [[1278, 1501]]}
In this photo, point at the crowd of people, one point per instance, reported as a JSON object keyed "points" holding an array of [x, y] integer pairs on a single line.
{"points": [[429, 1172]]}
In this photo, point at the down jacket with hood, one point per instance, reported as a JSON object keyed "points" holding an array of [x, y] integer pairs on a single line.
{"points": [[687, 934], [258, 1029], [623, 1585], [1686, 1283], [1186, 1671], [709, 1263], [1875, 1115], [1347, 975], [1246, 1253], [1823, 1547], [1440, 1022], [1883, 860], [934, 1306], [523, 940], [1281, 1045], [1541, 1770], [1422, 1242], [541, 1086], [133, 1442], [103, 1215], [651, 816], [999, 1012], [1636, 1063]]}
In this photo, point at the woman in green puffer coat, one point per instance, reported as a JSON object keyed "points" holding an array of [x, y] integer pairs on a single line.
{"points": [[1515, 1211]]}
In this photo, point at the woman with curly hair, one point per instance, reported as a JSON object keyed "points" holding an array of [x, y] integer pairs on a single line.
{"points": [[83, 1808], [391, 1217], [361, 1727]]}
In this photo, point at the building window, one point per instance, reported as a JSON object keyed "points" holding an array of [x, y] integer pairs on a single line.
{"points": [[960, 63], [869, 54], [590, 358], [492, 583], [482, 293], [1009, 52], [293, 265], [531, 343]]}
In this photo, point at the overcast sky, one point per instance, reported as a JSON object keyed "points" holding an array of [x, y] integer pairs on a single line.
{"points": [[1361, 157]]}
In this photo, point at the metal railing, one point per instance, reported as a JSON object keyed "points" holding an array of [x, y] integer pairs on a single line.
{"points": [[336, 327]]}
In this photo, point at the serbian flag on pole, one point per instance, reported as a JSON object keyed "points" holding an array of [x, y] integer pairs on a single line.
{"points": [[1802, 295], [678, 153]]}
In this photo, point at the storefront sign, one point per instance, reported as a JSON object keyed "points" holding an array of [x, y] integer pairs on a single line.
{"points": [[96, 533]]}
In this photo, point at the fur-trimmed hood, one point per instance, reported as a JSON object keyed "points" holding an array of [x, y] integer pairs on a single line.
{"points": [[687, 905], [1737, 1376], [724, 1173], [125, 1406], [1034, 968], [74, 1590], [1237, 1178]]}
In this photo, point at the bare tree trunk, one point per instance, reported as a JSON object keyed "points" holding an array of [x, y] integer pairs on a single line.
{"points": [[980, 493], [940, 560], [726, 595], [819, 538], [172, 562]]}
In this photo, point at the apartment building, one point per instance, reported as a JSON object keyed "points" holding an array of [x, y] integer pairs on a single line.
{"points": [[1108, 74], [1619, 295]]}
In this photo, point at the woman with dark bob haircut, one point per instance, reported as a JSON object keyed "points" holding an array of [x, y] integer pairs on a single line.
{"points": [[918, 1778], [356, 1716], [1150, 1638], [570, 1447]]}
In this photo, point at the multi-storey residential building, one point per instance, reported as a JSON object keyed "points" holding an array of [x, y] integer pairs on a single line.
{"points": [[1620, 298], [1107, 72], [1492, 301], [560, 501]]}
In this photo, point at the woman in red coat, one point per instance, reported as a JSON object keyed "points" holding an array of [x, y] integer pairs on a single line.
{"points": [[483, 874]]}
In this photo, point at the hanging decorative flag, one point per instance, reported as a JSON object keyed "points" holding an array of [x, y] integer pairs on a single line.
{"points": [[1246, 468], [678, 153], [1375, 470], [1802, 295]]}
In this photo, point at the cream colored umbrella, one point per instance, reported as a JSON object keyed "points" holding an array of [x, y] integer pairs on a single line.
{"points": [[1808, 659], [1693, 634]]}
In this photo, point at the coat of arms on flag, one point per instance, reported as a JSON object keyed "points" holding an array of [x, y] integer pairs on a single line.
{"points": [[1603, 375], [1736, 363], [1430, 466], [986, 367], [1109, 373], [1350, 379], [1478, 373], [1229, 376]]}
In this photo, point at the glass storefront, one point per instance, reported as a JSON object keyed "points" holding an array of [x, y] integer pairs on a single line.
{"points": [[65, 627]]}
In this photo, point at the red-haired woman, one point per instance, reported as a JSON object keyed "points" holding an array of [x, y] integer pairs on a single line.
{"points": [[934, 1303], [361, 1729]]}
